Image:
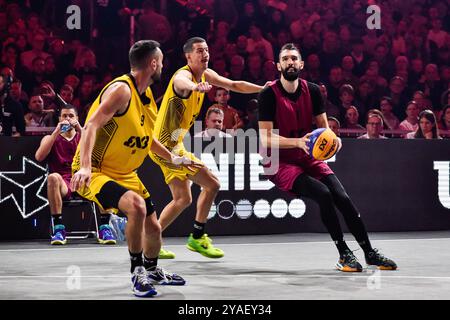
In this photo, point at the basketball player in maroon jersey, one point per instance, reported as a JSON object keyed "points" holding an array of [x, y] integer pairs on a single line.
{"points": [[59, 149], [289, 106]]}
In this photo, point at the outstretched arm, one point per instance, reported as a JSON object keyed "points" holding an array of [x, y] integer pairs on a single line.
{"points": [[183, 84], [237, 86]]}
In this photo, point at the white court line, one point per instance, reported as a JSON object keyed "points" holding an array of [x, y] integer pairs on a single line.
{"points": [[220, 244], [359, 276]]}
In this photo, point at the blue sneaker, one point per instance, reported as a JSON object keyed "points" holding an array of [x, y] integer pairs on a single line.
{"points": [[159, 276], [59, 236], [105, 235], [142, 287]]}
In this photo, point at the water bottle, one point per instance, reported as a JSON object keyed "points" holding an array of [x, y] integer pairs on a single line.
{"points": [[65, 128]]}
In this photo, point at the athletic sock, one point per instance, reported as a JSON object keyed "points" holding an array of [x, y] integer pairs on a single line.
{"points": [[199, 230], [136, 260], [150, 263]]}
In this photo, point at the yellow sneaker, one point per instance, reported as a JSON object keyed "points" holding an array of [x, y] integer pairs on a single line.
{"points": [[166, 254], [204, 247]]}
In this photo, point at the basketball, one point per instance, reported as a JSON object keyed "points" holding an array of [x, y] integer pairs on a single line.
{"points": [[323, 144]]}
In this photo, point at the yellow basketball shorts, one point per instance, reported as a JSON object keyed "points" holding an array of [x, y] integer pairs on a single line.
{"points": [[172, 171], [130, 182]]}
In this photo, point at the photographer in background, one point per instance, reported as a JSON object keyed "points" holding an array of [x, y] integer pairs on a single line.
{"points": [[11, 112]]}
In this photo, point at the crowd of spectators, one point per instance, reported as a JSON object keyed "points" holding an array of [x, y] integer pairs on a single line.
{"points": [[401, 69]]}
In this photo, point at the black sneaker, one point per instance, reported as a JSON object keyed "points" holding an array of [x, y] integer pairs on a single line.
{"points": [[375, 258], [159, 276], [348, 263]]}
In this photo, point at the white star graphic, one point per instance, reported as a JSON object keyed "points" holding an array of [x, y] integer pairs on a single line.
{"points": [[42, 179]]}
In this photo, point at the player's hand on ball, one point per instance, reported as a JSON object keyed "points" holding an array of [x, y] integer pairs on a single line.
{"points": [[302, 143]]}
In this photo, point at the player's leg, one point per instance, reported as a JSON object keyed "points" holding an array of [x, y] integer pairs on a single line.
{"points": [[181, 199], [152, 246], [199, 240], [56, 190], [306, 186], [355, 224]]}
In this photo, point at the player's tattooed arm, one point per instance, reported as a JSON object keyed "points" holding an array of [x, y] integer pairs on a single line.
{"points": [[183, 84]]}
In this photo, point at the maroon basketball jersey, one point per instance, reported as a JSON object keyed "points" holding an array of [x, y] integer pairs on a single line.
{"points": [[62, 153], [293, 119]]}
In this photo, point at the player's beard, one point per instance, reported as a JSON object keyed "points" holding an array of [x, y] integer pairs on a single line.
{"points": [[290, 75], [156, 78]]}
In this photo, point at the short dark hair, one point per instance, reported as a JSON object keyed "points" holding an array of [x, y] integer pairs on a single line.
{"points": [[290, 46], [68, 106], [141, 51], [189, 45]]}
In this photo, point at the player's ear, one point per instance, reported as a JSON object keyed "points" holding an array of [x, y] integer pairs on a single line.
{"points": [[302, 65], [279, 66]]}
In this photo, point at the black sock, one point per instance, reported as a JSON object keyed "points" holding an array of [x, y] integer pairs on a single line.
{"points": [[199, 230], [341, 246], [136, 260], [366, 246], [150, 263], [104, 219], [57, 220]]}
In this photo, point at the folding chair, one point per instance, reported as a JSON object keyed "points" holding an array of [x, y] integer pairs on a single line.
{"points": [[77, 201]]}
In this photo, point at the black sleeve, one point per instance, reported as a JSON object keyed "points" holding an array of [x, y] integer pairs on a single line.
{"points": [[266, 105], [317, 99]]}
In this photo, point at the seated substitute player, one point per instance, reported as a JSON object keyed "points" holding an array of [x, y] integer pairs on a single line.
{"points": [[289, 105], [116, 139], [59, 149]]}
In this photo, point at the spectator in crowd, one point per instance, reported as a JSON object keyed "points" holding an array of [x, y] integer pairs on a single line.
{"points": [[37, 51], [38, 116], [334, 125], [431, 85], [398, 96], [386, 109], [312, 72], [346, 97], [11, 112], [257, 38], [59, 148], [438, 36], [237, 67], [428, 128], [352, 119], [231, 118], [422, 102], [411, 123], [214, 124], [66, 93], [73, 81], [335, 81], [330, 108], [18, 95], [444, 124], [359, 57], [374, 126], [152, 25], [347, 71]]}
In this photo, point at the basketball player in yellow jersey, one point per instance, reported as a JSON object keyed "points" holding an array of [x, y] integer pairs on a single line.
{"points": [[179, 110], [116, 139]]}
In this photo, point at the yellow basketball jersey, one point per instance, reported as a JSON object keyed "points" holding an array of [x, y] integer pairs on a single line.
{"points": [[123, 143], [177, 115]]}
